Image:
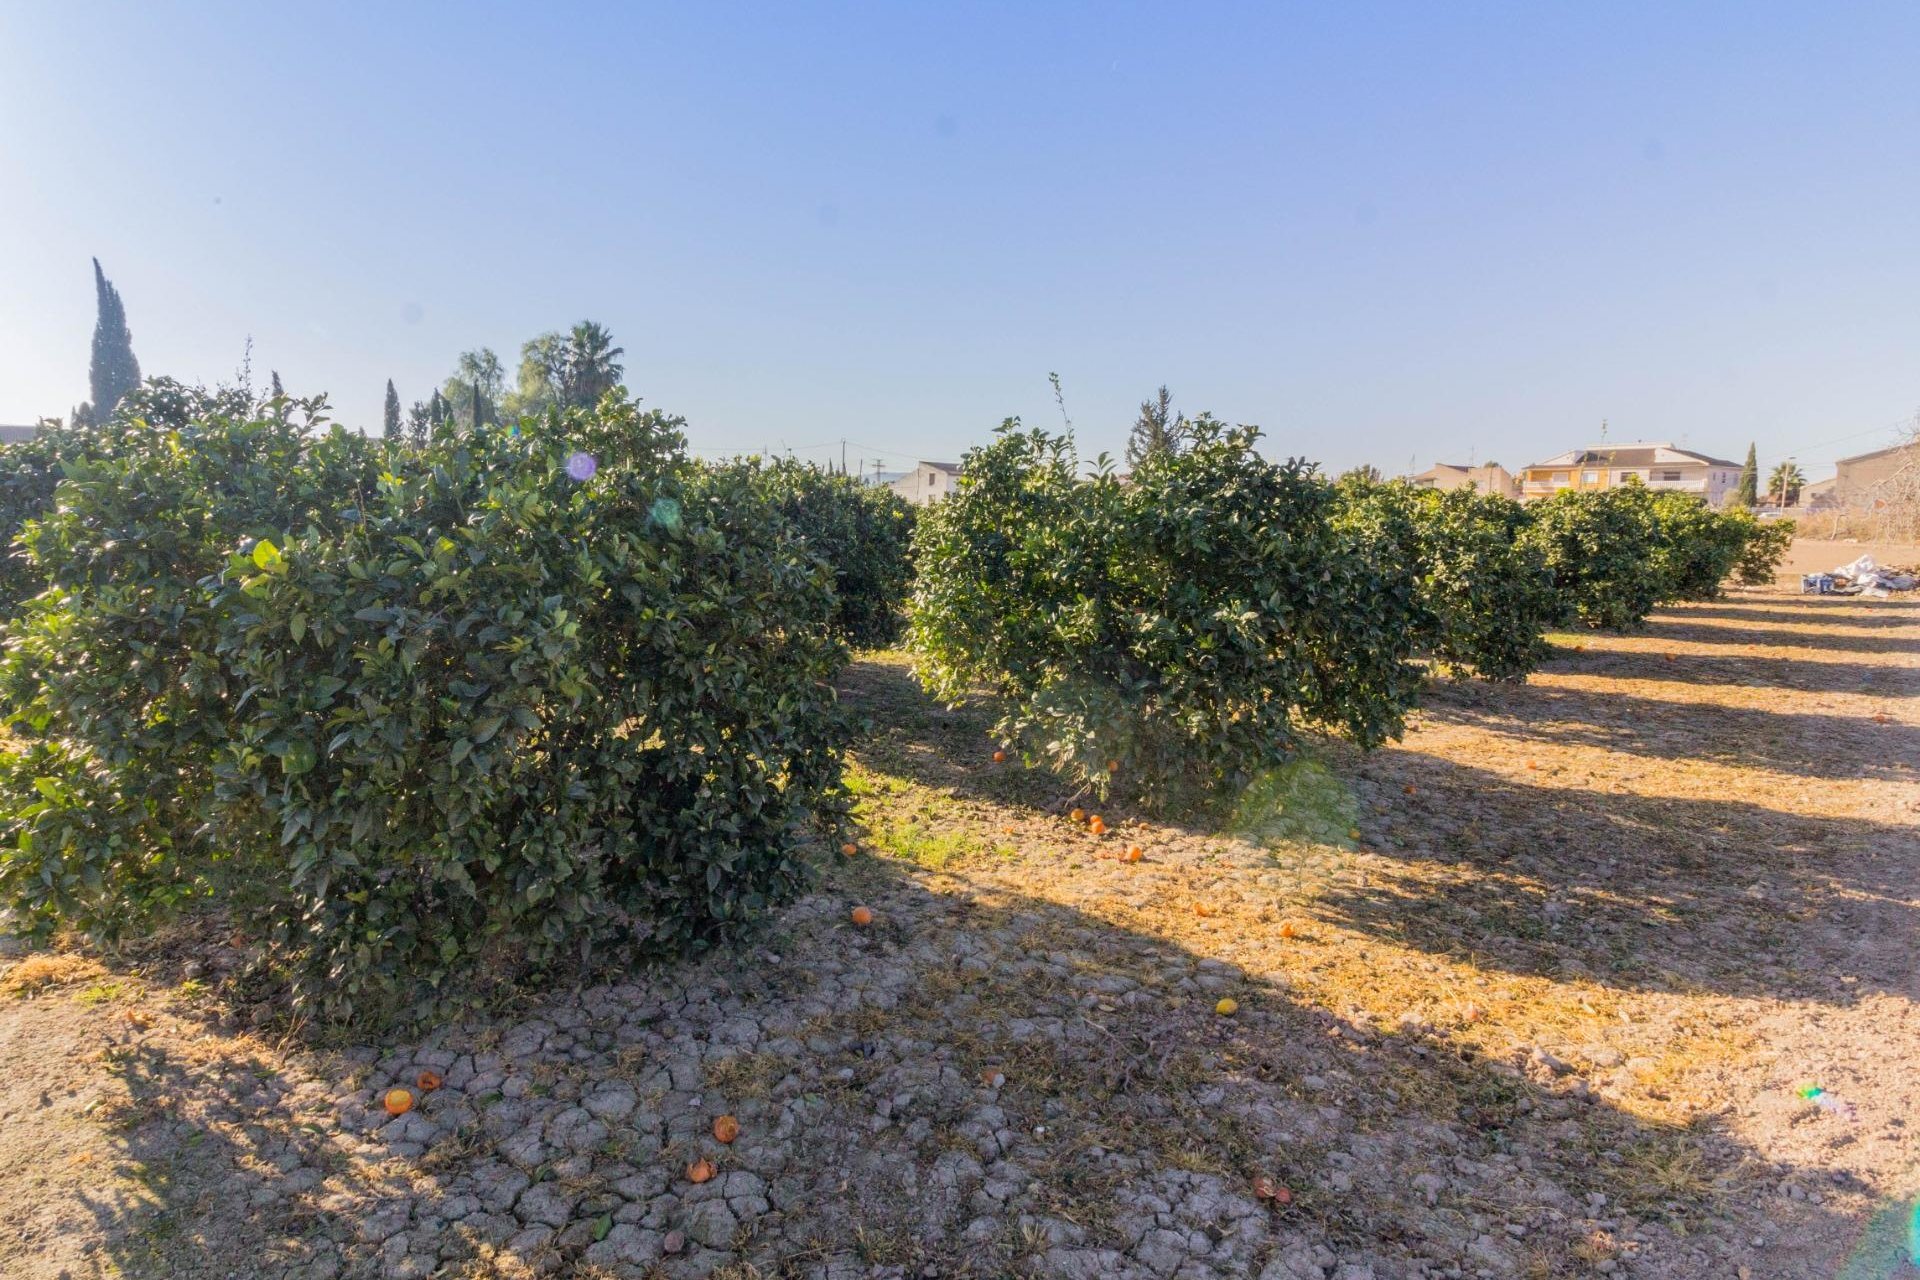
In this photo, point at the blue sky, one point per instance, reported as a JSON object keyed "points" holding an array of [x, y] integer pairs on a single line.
{"points": [[1383, 233]]}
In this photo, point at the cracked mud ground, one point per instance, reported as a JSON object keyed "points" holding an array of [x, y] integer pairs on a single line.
{"points": [[1530, 993]]}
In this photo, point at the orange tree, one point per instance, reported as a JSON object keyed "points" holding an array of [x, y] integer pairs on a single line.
{"points": [[1178, 630], [539, 692], [861, 530], [1482, 595]]}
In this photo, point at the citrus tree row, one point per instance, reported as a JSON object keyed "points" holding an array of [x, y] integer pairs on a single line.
{"points": [[522, 695], [1182, 628]]}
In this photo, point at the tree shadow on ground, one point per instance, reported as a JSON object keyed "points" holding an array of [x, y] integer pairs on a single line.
{"points": [[1682, 629], [1655, 892], [1789, 742], [1883, 680], [983, 1083], [1826, 611]]}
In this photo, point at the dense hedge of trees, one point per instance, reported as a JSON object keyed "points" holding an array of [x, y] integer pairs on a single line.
{"points": [[862, 531], [1179, 630], [1175, 629], [553, 690]]}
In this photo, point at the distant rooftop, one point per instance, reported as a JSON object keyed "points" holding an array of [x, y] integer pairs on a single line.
{"points": [[14, 435]]}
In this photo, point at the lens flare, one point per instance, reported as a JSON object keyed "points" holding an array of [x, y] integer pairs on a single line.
{"points": [[665, 512], [581, 467]]}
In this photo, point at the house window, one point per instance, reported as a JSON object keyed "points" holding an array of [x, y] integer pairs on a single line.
{"points": [[1669, 475], [1589, 477], [1628, 475], [1559, 477]]}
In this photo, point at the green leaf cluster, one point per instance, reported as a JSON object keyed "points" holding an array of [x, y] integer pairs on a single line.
{"points": [[1175, 631], [1482, 595], [403, 711], [863, 531]]}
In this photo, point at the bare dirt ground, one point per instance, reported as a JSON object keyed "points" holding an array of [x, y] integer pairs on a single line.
{"points": [[1818, 555], [1533, 993]]}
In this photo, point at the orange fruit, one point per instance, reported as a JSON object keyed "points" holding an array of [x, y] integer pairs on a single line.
{"points": [[1202, 909], [1135, 853], [700, 1171], [849, 848], [1289, 930], [1267, 1189], [1227, 1007], [1098, 827], [999, 757], [1113, 766], [862, 916], [725, 1129], [397, 1102], [1078, 815], [1409, 788], [428, 1081], [1472, 1013]]}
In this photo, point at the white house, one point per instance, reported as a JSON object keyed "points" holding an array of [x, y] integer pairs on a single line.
{"points": [[927, 481], [1657, 466]]}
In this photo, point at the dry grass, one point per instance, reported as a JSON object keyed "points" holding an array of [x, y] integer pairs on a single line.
{"points": [[44, 970], [1627, 864]]}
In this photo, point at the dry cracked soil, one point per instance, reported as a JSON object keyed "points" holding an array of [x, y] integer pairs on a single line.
{"points": [[1537, 991]]}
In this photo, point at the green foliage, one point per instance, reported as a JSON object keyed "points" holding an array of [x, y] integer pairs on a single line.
{"points": [[1696, 547], [398, 708], [1766, 546], [1783, 483], [29, 473], [1600, 548], [862, 531], [1483, 596], [569, 370], [1616, 553], [390, 414], [113, 371], [1179, 626], [1746, 490], [1158, 429]]}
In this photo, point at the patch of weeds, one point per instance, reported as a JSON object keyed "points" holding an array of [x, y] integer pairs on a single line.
{"points": [[101, 993], [746, 1075]]}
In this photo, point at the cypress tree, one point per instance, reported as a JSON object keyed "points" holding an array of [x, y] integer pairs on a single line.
{"points": [[1746, 491], [278, 390], [391, 429], [114, 371]]}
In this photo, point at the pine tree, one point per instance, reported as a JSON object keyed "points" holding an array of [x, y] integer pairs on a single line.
{"points": [[391, 426], [114, 371], [1157, 430], [1746, 491]]}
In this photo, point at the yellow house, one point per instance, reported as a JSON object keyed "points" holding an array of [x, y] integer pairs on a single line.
{"points": [[1657, 466]]}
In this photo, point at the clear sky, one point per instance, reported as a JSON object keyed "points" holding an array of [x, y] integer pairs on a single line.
{"points": [[1383, 233]]}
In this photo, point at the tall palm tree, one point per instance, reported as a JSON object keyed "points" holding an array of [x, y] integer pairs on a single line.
{"points": [[1783, 486], [591, 366]]}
